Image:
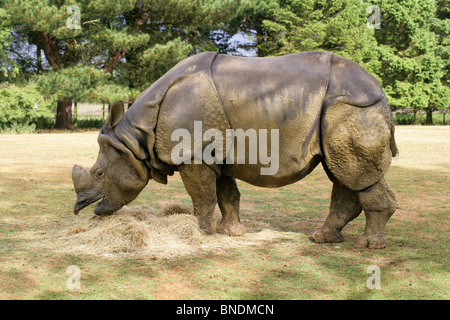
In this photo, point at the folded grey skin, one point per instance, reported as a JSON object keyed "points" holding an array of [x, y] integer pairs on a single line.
{"points": [[116, 178]]}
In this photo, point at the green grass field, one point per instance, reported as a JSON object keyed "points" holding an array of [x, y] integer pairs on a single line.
{"points": [[37, 198]]}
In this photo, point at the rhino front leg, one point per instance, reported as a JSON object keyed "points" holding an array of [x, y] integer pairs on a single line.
{"points": [[344, 208], [228, 197], [200, 183], [379, 203]]}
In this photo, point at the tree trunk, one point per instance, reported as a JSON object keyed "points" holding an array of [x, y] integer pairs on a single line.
{"points": [[64, 115], [114, 60], [416, 116], [429, 119], [75, 114], [38, 57], [51, 50]]}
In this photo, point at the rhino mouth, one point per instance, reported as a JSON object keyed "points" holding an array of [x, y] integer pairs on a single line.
{"points": [[106, 207], [83, 202]]}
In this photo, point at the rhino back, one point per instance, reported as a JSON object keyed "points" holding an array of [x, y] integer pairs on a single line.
{"points": [[351, 84], [269, 92], [191, 100]]}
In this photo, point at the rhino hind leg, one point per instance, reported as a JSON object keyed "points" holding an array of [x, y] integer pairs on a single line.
{"points": [[200, 183], [344, 208], [358, 149], [357, 142], [379, 203], [228, 197]]}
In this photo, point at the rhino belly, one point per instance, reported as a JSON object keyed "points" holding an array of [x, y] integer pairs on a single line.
{"points": [[291, 173]]}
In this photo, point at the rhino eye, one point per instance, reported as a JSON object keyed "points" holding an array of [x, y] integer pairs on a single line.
{"points": [[100, 173]]}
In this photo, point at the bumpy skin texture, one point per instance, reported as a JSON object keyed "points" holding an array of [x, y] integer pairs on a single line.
{"points": [[327, 109]]}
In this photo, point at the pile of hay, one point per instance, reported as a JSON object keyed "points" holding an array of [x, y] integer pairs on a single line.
{"points": [[143, 231]]}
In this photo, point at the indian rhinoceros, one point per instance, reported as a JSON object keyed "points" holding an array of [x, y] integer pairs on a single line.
{"points": [[324, 108]]}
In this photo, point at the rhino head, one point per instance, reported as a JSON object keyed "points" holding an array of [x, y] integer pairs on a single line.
{"points": [[120, 172]]}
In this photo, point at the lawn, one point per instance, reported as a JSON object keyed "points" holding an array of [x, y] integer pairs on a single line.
{"points": [[37, 198]]}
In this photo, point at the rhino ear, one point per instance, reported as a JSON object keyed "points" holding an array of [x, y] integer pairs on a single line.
{"points": [[116, 112]]}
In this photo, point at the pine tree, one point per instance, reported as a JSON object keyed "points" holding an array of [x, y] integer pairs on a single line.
{"points": [[303, 25], [5, 38], [408, 52], [414, 53], [8, 68], [132, 42]]}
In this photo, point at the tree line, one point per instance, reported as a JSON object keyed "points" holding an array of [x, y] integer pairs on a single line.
{"points": [[57, 53]]}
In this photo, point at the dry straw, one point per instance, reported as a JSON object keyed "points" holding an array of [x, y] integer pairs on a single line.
{"points": [[143, 231]]}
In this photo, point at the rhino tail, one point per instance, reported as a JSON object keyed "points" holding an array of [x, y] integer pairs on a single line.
{"points": [[390, 120], [394, 149]]}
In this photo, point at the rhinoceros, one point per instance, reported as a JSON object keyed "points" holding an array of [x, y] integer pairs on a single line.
{"points": [[324, 109]]}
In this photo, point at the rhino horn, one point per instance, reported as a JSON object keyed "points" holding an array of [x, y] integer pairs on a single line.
{"points": [[88, 190], [82, 179]]}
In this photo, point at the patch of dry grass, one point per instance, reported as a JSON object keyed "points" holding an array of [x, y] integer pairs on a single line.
{"points": [[141, 231], [423, 148]]}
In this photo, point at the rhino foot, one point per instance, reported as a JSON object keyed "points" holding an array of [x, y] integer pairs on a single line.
{"points": [[326, 235], [371, 242], [206, 225], [231, 229]]}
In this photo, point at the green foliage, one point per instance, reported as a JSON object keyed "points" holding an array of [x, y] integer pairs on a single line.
{"points": [[337, 26], [152, 63], [176, 29], [71, 83], [409, 54], [408, 119], [132, 42], [109, 93], [21, 108], [248, 20], [7, 67], [413, 54], [15, 128], [87, 123]]}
